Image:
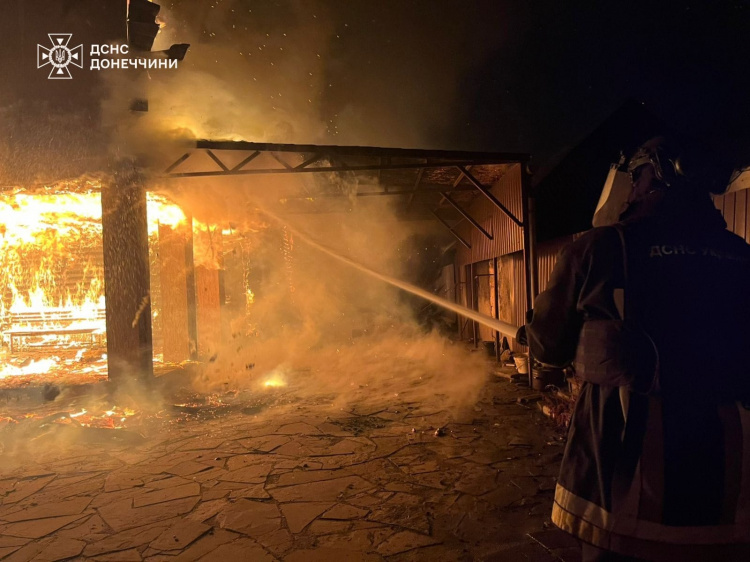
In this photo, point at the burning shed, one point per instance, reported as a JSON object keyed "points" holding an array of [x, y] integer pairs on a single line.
{"points": [[101, 277]]}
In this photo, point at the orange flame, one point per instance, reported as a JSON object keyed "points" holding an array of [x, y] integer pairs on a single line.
{"points": [[51, 272]]}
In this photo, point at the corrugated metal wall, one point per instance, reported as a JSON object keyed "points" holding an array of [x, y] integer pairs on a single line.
{"points": [[519, 292], [735, 207], [507, 237], [546, 257], [736, 210], [507, 244], [508, 240]]}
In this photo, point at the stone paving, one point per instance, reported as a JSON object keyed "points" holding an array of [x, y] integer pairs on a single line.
{"points": [[298, 482]]}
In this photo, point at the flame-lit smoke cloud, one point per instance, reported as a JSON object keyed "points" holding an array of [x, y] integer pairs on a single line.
{"points": [[296, 71], [309, 72], [320, 325], [321, 73], [305, 72], [244, 78]]}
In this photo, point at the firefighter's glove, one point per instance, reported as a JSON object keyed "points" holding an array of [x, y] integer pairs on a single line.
{"points": [[521, 335]]}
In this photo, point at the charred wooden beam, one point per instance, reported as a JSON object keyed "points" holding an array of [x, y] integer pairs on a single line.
{"points": [[126, 275]]}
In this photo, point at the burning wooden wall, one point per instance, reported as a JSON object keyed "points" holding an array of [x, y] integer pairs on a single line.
{"points": [[173, 290], [51, 281], [58, 254]]}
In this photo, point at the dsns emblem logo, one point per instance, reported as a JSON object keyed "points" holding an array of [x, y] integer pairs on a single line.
{"points": [[59, 56]]}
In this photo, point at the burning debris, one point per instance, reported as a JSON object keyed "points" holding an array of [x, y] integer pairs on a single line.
{"points": [[18, 432]]}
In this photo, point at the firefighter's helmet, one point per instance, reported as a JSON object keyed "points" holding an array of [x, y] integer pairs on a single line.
{"points": [[664, 156]]}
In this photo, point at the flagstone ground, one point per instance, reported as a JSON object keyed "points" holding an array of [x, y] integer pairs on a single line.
{"points": [[296, 482]]}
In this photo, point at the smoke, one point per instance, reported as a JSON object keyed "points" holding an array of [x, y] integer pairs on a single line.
{"points": [[252, 73], [320, 73], [312, 73], [32, 150], [288, 71], [305, 72], [330, 334], [391, 365], [316, 324]]}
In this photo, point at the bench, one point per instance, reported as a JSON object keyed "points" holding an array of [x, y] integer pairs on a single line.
{"points": [[53, 322]]}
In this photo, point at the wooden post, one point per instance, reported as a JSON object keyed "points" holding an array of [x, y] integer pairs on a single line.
{"points": [[174, 289], [126, 275], [192, 314], [208, 290], [234, 302]]}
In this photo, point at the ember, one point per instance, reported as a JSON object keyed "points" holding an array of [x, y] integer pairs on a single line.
{"points": [[274, 382], [113, 418]]}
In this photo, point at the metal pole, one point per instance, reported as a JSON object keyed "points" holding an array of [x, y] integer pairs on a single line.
{"points": [[474, 304], [529, 254], [497, 308], [466, 215]]}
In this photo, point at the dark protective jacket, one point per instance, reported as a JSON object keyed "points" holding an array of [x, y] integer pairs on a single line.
{"points": [[654, 314]]}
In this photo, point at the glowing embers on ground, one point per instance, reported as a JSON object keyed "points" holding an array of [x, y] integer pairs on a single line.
{"points": [[275, 380], [89, 417], [112, 418], [37, 424]]}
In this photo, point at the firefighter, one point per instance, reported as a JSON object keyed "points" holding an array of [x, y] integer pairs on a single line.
{"points": [[654, 315]]}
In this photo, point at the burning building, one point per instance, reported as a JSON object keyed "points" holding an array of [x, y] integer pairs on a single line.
{"points": [[225, 285], [177, 287]]}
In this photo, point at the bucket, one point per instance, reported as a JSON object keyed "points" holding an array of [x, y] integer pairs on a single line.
{"points": [[522, 363]]}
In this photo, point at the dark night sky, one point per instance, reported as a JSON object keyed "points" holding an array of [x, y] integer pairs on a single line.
{"points": [[483, 75], [571, 66]]}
